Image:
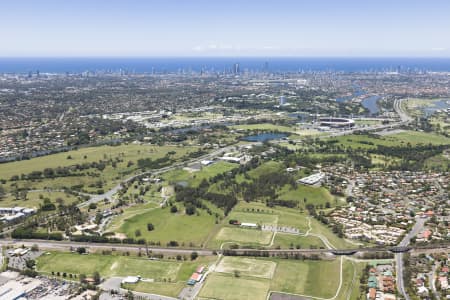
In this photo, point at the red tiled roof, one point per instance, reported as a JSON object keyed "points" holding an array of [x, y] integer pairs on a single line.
{"points": [[196, 276]]}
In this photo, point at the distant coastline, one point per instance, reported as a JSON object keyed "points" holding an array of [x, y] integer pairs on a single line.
{"points": [[161, 65]]}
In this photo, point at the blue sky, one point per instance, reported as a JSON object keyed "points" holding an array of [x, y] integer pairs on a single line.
{"points": [[225, 28]]}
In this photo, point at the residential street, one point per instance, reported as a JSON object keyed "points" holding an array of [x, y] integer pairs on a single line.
{"points": [[418, 226]]}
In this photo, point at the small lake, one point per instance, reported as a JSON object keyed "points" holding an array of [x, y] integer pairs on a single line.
{"points": [[358, 92], [264, 137], [371, 103], [437, 105]]}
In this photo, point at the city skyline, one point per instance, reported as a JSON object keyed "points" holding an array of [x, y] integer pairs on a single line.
{"points": [[206, 28]]}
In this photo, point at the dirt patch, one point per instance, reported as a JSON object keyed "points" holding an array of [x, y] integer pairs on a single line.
{"points": [[120, 236], [114, 265]]}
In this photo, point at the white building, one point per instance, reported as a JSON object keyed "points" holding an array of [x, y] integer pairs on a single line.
{"points": [[312, 179]]}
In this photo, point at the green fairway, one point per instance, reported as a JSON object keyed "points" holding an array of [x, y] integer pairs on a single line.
{"points": [[191, 230], [417, 137], [241, 235], [257, 218], [397, 139], [247, 266], [314, 195], [364, 141], [118, 163], [211, 171], [93, 154], [194, 178], [438, 162], [128, 213], [265, 168], [231, 288]]}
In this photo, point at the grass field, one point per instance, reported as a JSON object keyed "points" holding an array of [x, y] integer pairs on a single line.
{"points": [[398, 139], [107, 265], [293, 218], [367, 122], [351, 289], [319, 228], [211, 171], [309, 277], [248, 236], [315, 195], [265, 168], [438, 162], [285, 241], [264, 127], [268, 167], [128, 213], [93, 154], [153, 195], [417, 137], [286, 216], [107, 178], [167, 226], [247, 266], [170, 276], [440, 120], [258, 218], [227, 287], [157, 288], [314, 278], [194, 178], [381, 160], [34, 199]]}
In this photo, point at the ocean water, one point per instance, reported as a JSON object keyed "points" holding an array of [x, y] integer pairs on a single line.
{"points": [[175, 65]]}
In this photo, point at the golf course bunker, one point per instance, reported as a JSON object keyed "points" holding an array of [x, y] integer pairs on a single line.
{"points": [[247, 267]]}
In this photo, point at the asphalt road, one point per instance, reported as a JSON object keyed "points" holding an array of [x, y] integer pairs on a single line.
{"points": [[432, 281], [418, 226], [399, 271], [401, 112], [67, 245]]}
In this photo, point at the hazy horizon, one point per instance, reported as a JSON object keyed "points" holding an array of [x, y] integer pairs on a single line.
{"points": [[201, 28]]}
